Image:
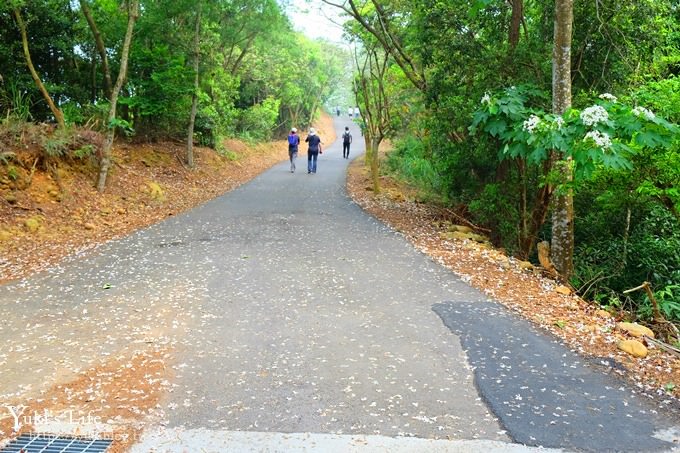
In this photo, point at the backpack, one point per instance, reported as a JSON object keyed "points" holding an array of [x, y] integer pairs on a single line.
{"points": [[293, 140], [346, 136]]}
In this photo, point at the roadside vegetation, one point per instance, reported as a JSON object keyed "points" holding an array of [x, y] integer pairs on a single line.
{"points": [[538, 122]]}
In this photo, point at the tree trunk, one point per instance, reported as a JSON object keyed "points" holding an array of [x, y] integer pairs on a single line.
{"points": [[58, 115], [94, 79], [367, 148], [563, 202], [538, 215], [194, 97], [515, 23], [523, 206], [101, 49], [375, 164], [133, 14]]}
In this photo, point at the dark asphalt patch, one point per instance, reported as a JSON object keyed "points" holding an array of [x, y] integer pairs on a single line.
{"points": [[543, 393]]}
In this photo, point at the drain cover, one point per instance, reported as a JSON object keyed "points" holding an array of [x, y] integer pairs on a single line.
{"points": [[49, 443]]}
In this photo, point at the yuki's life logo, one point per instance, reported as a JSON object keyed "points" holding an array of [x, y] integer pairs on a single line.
{"points": [[46, 416], [16, 412]]}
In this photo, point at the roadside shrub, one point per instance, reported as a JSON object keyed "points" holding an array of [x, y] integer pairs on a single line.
{"points": [[408, 161], [668, 299], [495, 207], [608, 262], [71, 143], [655, 249], [15, 101], [73, 113], [259, 121]]}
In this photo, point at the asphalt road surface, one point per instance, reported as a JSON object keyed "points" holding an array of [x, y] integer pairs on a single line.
{"points": [[300, 323]]}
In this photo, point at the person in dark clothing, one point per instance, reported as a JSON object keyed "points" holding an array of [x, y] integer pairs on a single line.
{"points": [[346, 141], [293, 142], [313, 151]]}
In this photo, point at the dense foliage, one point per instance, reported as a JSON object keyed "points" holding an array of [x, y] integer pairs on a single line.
{"points": [[257, 77], [489, 64]]}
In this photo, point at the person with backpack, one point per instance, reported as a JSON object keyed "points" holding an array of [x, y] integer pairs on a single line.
{"points": [[346, 141], [313, 151], [293, 142]]}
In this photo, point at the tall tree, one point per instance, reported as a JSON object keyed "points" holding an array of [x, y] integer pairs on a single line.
{"points": [[133, 15], [374, 101], [381, 22], [99, 45], [194, 96], [562, 253], [515, 22], [56, 111]]}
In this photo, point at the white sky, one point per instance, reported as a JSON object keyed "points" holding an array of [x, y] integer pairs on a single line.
{"points": [[316, 19]]}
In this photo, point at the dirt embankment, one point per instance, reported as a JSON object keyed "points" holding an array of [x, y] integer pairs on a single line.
{"points": [[47, 215]]}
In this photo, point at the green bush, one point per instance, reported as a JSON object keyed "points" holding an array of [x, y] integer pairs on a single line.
{"points": [[58, 144], [16, 101], [608, 263], [495, 207], [259, 121], [161, 99], [668, 299], [71, 143], [408, 161], [74, 114]]}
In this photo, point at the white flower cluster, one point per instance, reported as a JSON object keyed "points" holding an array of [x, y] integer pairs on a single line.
{"points": [[594, 115], [559, 121], [486, 99], [601, 139], [641, 111], [608, 97], [531, 124]]}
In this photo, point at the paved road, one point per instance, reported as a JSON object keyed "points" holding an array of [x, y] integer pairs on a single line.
{"points": [[291, 311]]}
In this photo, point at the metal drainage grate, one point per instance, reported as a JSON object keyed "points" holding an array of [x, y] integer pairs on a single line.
{"points": [[50, 443]]}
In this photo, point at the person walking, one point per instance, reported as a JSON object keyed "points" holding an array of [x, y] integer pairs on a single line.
{"points": [[313, 151], [293, 143], [346, 141]]}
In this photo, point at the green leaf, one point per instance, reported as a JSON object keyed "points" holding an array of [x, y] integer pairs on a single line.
{"points": [[515, 149], [477, 6], [495, 126], [649, 139]]}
